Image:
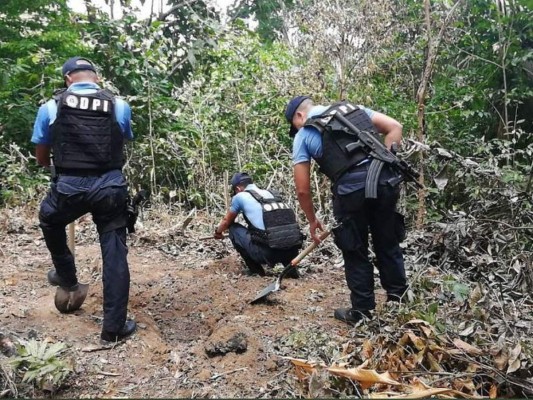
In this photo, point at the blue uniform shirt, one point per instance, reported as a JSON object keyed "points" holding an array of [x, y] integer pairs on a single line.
{"points": [[48, 111], [247, 204], [308, 141], [308, 144]]}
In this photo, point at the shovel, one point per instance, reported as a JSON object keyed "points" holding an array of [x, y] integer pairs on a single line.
{"points": [[275, 286], [211, 237]]}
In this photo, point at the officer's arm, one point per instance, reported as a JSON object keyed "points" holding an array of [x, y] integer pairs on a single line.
{"points": [[123, 115], [42, 154], [389, 127], [228, 219], [302, 180]]}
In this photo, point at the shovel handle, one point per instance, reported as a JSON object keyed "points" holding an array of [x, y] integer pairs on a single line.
{"points": [[309, 248], [211, 237], [72, 238]]}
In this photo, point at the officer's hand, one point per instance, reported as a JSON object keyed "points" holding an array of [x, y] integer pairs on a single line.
{"points": [[218, 235], [313, 227]]}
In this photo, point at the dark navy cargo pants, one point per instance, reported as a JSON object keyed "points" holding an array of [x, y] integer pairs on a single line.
{"points": [[255, 255], [105, 198], [359, 216]]}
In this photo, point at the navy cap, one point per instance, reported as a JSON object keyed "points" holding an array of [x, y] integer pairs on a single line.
{"points": [[292, 106], [77, 64], [240, 177]]}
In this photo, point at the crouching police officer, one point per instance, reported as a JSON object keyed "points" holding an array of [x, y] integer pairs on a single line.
{"points": [[84, 127], [273, 234], [364, 196]]}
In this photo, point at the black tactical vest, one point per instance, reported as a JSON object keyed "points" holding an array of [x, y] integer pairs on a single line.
{"points": [[281, 229], [86, 135], [336, 160]]}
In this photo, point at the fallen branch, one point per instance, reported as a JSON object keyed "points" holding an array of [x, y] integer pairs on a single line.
{"points": [[216, 376], [99, 372]]}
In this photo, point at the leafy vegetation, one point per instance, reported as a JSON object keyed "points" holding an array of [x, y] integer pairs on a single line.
{"points": [[42, 364]]}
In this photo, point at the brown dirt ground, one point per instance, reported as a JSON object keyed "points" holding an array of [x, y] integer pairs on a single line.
{"points": [[185, 295]]}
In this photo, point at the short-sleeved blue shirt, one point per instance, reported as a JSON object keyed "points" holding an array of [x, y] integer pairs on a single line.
{"points": [[308, 141], [249, 206], [48, 111]]}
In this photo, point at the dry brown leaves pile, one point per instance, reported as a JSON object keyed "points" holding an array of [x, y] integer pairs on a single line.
{"points": [[465, 329]]}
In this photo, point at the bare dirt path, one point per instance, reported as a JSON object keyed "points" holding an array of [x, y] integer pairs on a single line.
{"points": [[187, 305]]}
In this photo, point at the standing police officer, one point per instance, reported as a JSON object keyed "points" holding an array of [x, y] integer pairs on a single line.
{"points": [[357, 212], [273, 235], [84, 127]]}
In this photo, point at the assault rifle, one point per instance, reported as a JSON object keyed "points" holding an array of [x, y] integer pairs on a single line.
{"points": [[371, 145], [133, 209]]}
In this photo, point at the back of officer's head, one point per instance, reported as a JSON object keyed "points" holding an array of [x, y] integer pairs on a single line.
{"points": [[240, 179], [79, 69]]}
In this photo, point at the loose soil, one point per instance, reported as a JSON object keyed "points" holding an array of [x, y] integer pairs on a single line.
{"points": [[186, 296]]}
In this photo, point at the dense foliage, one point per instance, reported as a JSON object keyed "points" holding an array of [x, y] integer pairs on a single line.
{"points": [[209, 98]]}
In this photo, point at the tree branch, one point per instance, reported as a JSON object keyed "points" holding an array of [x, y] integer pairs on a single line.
{"points": [[164, 15]]}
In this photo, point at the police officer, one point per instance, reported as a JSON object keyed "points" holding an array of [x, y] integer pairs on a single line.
{"points": [[358, 214], [84, 128], [272, 236]]}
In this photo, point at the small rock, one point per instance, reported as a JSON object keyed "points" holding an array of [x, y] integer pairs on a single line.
{"points": [[271, 365]]}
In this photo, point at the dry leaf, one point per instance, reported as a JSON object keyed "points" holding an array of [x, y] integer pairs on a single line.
{"points": [[417, 322], [500, 359], [367, 349], [419, 343], [472, 368], [310, 365], [428, 330], [514, 359], [464, 385], [433, 364], [493, 392], [303, 368], [366, 377], [381, 395], [403, 340], [467, 331], [421, 394], [418, 385], [467, 348]]}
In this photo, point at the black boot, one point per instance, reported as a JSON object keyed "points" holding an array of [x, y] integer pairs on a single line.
{"points": [[255, 268], [351, 316], [55, 280], [128, 328]]}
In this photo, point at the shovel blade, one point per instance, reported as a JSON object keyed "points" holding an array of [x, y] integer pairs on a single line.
{"points": [[273, 287]]}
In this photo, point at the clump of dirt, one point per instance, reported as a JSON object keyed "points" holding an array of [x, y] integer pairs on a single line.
{"points": [[236, 343]]}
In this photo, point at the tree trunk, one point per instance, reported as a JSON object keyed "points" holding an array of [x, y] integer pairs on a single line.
{"points": [[421, 96]]}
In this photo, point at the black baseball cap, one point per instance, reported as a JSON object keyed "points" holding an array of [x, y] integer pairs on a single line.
{"points": [[240, 177], [292, 106], [77, 64]]}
